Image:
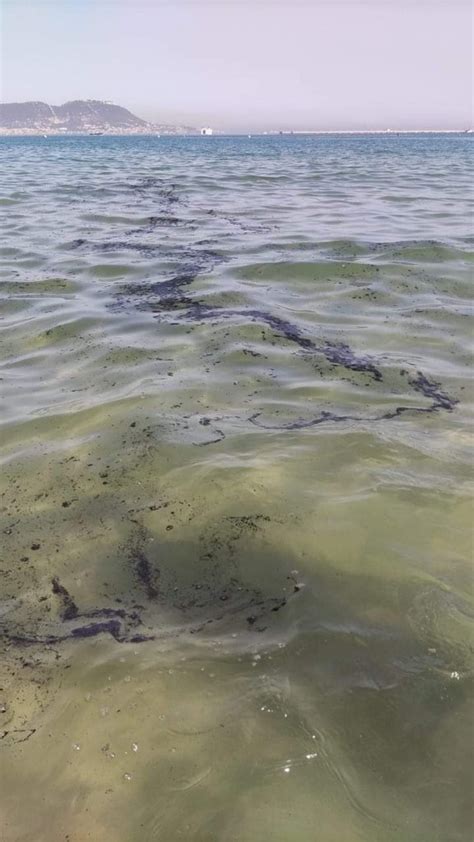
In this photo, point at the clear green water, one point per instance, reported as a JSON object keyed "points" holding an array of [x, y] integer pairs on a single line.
{"points": [[236, 583]]}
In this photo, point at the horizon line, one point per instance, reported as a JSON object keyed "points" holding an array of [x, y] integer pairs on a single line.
{"points": [[5, 132]]}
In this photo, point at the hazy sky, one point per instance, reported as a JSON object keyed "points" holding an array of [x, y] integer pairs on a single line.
{"points": [[247, 63]]}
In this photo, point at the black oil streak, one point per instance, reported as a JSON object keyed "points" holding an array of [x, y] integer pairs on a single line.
{"points": [[167, 296], [221, 437], [144, 573], [112, 627], [28, 731], [207, 596], [70, 610]]}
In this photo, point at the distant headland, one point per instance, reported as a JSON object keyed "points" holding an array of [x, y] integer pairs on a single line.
{"points": [[84, 116]]}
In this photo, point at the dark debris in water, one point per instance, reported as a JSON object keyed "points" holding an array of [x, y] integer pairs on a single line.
{"points": [[170, 297], [116, 622], [217, 596], [17, 735], [145, 573], [167, 297], [430, 389], [70, 609]]}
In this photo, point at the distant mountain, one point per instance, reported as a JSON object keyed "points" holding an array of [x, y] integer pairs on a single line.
{"points": [[80, 115]]}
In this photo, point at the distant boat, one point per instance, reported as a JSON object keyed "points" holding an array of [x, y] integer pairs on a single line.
{"points": [[96, 133], [207, 131]]}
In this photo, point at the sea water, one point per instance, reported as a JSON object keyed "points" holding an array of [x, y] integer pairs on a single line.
{"points": [[236, 584]]}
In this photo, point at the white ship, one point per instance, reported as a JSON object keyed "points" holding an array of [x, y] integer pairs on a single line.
{"points": [[207, 131]]}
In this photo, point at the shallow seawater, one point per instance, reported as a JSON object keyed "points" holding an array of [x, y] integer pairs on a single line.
{"points": [[236, 598]]}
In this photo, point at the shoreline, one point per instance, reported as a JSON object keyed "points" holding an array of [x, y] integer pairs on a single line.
{"points": [[273, 133]]}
